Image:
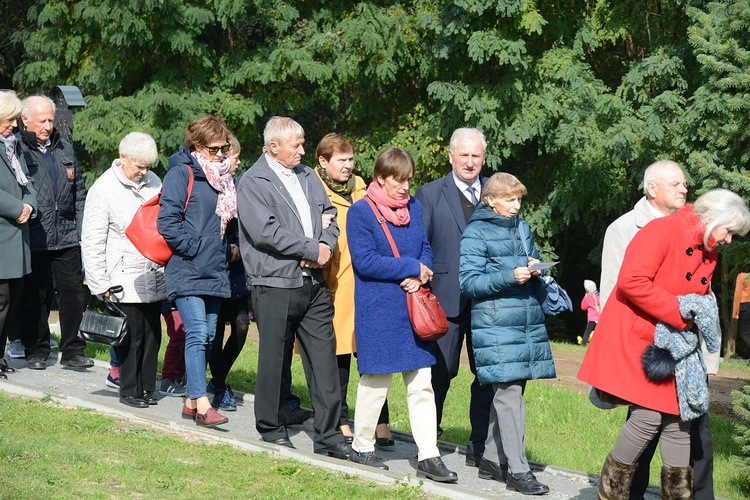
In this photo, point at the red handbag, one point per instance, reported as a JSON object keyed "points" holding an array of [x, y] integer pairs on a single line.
{"points": [[144, 235], [425, 313]]}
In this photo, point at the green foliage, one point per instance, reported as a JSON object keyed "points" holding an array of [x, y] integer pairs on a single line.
{"points": [[742, 428], [575, 98]]}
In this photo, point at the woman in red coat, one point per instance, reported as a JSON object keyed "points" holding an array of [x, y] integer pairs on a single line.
{"points": [[669, 257]]}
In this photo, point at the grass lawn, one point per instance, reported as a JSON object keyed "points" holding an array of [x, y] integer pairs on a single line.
{"points": [[563, 428]]}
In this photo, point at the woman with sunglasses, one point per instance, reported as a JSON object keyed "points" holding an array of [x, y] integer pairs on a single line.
{"points": [[197, 274]]}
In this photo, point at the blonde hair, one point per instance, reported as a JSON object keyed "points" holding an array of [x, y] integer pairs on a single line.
{"points": [[10, 105], [722, 208], [502, 184]]}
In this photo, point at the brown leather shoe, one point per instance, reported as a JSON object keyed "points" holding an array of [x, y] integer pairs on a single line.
{"points": [[210, 418]]}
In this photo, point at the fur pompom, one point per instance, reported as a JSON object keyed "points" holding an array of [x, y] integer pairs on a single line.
{"points": [[657, 363]]}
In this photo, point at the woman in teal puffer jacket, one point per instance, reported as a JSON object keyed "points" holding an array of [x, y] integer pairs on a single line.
{"points": [[507, 323]]}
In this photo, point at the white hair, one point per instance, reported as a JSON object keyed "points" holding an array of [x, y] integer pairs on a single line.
{"points": [[657, 171], [467, 133], [34, 102], [139, 146], [281, 129], [722, 208]]}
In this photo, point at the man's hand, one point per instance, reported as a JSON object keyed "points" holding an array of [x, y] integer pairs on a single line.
{"points": [[324, 254], [327, 219], [235, 250], [25, 214]]}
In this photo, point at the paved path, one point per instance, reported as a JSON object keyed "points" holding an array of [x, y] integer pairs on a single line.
{"points": [[87, 389]]}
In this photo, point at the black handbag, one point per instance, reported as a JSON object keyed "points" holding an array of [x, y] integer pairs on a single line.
{"points": [[107, 326]]}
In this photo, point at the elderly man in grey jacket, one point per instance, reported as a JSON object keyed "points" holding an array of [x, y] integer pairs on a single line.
{"points": [[281, 205]]}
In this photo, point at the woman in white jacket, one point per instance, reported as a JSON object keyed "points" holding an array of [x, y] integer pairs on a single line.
{"points": [[111, 260]]}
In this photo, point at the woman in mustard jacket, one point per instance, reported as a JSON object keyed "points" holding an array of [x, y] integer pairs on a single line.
{"points": [[668, 259]]}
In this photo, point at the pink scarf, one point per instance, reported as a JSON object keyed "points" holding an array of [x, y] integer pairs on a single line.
{"points": [[222, 180], [386, 204]]}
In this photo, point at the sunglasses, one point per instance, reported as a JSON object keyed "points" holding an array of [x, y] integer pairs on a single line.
{"points": [[214, 150]]}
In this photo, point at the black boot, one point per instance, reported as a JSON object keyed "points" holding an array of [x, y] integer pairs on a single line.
{"points": [[614, 483], [676, 483]]}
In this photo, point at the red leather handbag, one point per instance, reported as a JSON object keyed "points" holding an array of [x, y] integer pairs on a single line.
{"points": [[144, 235], [425, 313]]}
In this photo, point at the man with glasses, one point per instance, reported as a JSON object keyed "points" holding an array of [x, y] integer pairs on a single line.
{"points": [[55, 235], [281, 205]]}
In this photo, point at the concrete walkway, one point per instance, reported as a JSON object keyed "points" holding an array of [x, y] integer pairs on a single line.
{"points": [[87, 389]]}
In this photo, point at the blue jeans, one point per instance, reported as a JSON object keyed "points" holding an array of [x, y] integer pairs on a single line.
{"points": [[199, 315]]}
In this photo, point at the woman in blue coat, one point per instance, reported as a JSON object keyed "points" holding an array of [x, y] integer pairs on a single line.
{"points": [[197, 274], [507, 324], [386, 343]]}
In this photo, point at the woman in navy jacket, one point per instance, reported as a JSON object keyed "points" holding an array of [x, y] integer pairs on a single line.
{"points": [[507, 325], [197, 274]]}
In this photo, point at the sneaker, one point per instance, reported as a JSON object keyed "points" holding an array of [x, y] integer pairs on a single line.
{"points": [[171, 388], [16, 350], [224, 400], [113, 377], [53, 345]]}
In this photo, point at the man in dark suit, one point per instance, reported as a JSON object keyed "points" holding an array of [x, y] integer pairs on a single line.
{"points": [[447, 206], [281, 205]]}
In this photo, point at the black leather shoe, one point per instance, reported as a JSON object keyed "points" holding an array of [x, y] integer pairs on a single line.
{"points": [[473, 460], [2, 375], [148, 397], [434, 468], [368, 458], [36, 364], [4, 368], [282, 441], [526, 484], [296, 416], [78, 361], [339, 450], [384, 442], [493, 470], [133, 401]]}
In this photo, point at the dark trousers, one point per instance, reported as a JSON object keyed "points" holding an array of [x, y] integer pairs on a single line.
{"points": [[224, 354], [344, 362], [308, 311], [61, 269], [743, 323], [590, 326], [10, 292], [448, 360], [140, 351], [701, 460]]}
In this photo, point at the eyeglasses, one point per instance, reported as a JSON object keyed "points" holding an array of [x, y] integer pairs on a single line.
{"points": [[214, 150]]}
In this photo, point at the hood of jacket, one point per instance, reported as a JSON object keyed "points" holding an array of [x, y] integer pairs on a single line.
{"points": [[486, 214]]}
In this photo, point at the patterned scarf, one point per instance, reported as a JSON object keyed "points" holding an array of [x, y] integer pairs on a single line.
{"points": [[343, 190], [10, 150], [222, 180], [386, 204]]}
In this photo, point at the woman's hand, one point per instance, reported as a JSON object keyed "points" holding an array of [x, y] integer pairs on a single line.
{"points": [[411, 285], [536, 272], [425, 274], [522, 274]]}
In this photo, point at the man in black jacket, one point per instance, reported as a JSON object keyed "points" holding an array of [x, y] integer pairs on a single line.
{"points": [[55, 235]]}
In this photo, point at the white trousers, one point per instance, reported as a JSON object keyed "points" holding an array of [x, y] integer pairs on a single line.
{"points": [[372, 393]]}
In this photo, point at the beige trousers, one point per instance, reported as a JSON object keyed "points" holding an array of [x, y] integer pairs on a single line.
{"points": [[371, 394]]}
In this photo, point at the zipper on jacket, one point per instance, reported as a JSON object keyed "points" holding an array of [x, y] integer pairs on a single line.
{"points": [[57, 229]]}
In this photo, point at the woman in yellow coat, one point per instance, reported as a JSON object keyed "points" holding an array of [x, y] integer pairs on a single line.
{"points": [[335, 167]]}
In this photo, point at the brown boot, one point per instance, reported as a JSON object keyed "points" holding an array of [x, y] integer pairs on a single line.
{"points": [[614, 483], [676, 483]]}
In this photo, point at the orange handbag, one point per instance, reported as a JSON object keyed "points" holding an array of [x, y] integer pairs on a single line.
{"points": [[143, 233]]}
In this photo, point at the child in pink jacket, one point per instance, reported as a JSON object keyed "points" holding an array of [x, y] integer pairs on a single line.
{"points": [[591, 305]]}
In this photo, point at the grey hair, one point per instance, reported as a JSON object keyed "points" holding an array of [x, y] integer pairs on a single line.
{"points": [[467, 133], [139, 146], [10, 105], [722, 208], [281, 129], [32, 103], [656, 172]]}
